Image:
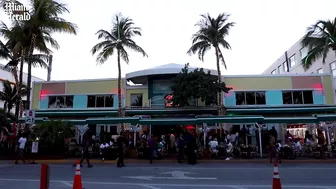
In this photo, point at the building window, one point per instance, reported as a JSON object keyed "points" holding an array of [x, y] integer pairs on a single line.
{"points": [[280, 69], [250, 98], [273, 72], [136, 100], [333, 68], [320, 71], [100, 101], [60, 102], [292, 61], [297, 97], [304, 52], [284, 66]]}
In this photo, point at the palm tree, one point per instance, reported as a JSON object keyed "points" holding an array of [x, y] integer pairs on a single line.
{"points": [[9, 95], [18, 42], [45, 20], [320, 39], [118, 39], [212, 33]]}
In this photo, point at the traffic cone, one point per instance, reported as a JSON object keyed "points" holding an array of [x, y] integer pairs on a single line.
{"points": [[78, 178], [276, 177]]}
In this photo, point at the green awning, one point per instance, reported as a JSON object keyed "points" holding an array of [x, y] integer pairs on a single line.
{"points": [[166, 121], [112, 120], [290, 120], [330, 117], [231, 119]]}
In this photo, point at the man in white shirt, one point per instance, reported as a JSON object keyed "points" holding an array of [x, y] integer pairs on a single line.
{"points": [[21, 147], [103, 149], [213, 145]]}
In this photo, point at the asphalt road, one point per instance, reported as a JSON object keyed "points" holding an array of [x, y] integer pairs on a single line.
{"points": [[173, 176]]}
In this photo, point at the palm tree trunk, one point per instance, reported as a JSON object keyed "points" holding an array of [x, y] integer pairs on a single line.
{"points": [[219, 94], [19, 99], [120, 114], [30, 53]]}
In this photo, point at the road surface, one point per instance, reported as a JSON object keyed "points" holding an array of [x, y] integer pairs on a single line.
{"points": [[173, 176]]}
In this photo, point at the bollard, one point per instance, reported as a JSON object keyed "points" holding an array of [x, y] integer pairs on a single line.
{"points": [[45, 176]]}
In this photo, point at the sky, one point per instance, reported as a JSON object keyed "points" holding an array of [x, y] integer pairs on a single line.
{"points": [[264, 30]]}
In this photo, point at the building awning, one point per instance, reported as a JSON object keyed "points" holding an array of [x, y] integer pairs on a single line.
{"points": [[197, 110], [166, 121], [322, 118], [112, 120], [278, 120], [230, 119]]}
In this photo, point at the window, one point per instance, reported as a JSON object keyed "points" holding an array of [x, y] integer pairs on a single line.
{"points": [[297, 97], [285, 67], [304, 52], [333, 68], [273, 72], [250, 98], [136, 100], [320, 71], [292, 61], [100, 101], [60, 102], [280, 69]]}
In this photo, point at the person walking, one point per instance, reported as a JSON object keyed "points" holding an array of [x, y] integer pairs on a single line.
{"points": [[86, 154], [180, 148], [103, 149], [152, 146], [21, 147], [120, 151]]}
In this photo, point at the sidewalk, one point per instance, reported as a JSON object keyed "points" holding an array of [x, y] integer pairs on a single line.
{"points": [[98, 161]]}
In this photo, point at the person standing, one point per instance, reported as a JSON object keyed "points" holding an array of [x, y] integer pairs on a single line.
{"points": [[180, 148], [86, 154], [21, 147], [152, 147], [191, 152], [103, 150], [120, 151]]}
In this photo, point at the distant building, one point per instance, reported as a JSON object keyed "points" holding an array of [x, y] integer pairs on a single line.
{"points": [[290, 62], [6, 75]]}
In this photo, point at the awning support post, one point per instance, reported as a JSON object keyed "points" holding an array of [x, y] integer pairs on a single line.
{"points": [[260, 144]]}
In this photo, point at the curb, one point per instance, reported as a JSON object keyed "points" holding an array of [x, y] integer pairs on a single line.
{"points": [[97, 161]]}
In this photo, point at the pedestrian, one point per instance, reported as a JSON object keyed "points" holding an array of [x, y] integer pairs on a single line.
{"points": [[103, 150], [86, 154], [120, 151], [191, 151], [152, 146], [272, 151], [180, 148], [21, 148]]}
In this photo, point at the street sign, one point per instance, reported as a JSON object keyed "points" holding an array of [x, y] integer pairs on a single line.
{"points": [[30, 117], [175, 175]]}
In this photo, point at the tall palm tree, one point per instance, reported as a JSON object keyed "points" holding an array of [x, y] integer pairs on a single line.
{"points": [[118, 39], [211, 34], [320, 39], [18, 42], [9, 94], [45, 20]]}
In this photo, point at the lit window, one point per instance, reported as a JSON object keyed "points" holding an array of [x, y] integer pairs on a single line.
{"points": [[304, 52], [320, 71], [333, 68], [292, 61], [273, 72]]}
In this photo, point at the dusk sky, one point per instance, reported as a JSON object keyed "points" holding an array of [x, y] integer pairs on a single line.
{"points": [[264, 30]]}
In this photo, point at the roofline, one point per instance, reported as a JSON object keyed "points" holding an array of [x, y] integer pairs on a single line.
{"points": [[79, 80], [278, 75]]}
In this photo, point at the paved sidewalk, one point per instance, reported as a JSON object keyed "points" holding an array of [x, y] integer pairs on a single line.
{"points": [[98, 161]]}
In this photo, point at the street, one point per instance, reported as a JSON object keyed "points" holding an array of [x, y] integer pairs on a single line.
{"points": [[173, 176]]}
